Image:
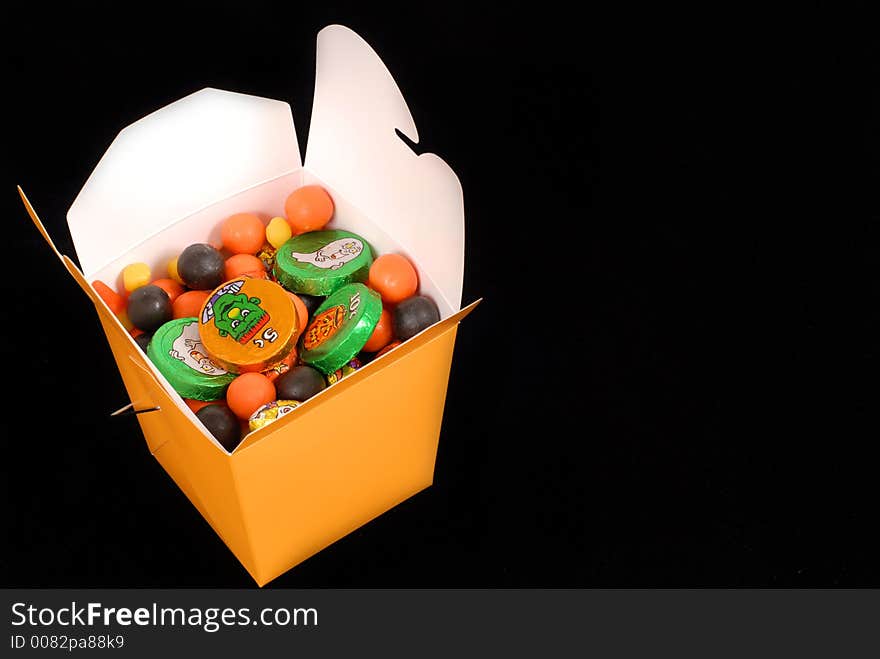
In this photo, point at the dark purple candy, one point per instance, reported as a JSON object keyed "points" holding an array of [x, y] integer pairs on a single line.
{"points": [[299, 383], [222, 423], [413, 315], [149, 307], [201, 267]]}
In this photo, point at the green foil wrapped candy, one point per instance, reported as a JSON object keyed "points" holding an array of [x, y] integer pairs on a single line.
{"points": [[177, 351], [340, 327], [321, 262]]}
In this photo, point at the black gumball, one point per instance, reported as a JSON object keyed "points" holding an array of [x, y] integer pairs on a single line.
{"points": [[312, 302], [222, 423], [201, 267], [149, 307], [299, 383], [143, 340], [413, 315]]}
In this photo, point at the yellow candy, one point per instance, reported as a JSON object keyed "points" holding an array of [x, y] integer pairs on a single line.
{"points": [[278, 232], [172, 271], [135, 275]]}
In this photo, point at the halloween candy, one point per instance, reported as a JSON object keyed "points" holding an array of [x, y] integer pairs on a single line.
{"points": [[248, 392], [149, 307], [189, 304], [277, 232], [340, 327], [143, 340], [177, 351], [271, 412], [114, 300], [347, 369], [308, 208], [170, 286], [413, 315], [240, 264], [243, 233], [200, 266], [382, 334], [300, 383], [222, 423], [135, 275], [320, 262], [394, 277], [248, 324]]}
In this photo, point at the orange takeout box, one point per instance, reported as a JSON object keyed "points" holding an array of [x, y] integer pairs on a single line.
{"points": [[368, 442]]}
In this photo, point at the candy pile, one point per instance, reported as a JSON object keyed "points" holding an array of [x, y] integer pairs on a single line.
{"points": [[247, 331]]}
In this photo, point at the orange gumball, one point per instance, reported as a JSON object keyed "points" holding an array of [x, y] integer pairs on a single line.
{"points": [[243, 233], [114, 300], [382, 334], [189, 304], [393, 276], [308, 208], [169, 286], [249, 391], [302, 313], [242, 264]]}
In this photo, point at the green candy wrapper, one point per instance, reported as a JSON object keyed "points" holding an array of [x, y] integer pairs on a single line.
{"points": [[340, 328], [320, 262], [177, 351]]}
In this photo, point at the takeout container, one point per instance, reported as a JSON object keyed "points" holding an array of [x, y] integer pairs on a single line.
{"points": [[366, 443]]}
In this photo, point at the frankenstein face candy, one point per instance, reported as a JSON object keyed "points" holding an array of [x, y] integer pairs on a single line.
{"points": [[320, 262], [248, 324], [340, 327], [178, 353]]}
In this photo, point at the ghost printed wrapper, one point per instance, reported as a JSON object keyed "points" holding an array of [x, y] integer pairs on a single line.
{"points": [[321, 262]]}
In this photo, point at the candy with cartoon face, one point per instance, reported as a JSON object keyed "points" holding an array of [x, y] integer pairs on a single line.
{"points": [[238, 316]]}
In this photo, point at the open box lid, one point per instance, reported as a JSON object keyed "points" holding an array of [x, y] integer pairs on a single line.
{"points": [[213, 144], [188, 155], [353, 146]]}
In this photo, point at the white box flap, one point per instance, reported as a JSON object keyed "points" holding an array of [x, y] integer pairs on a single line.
{"points": [[353, 147], [196, 151]]}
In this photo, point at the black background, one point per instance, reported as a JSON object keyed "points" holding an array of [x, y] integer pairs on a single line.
{"points": [[654, 407]]}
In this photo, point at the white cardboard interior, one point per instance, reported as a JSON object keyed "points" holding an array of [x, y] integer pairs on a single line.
{"points": [[192, 153], [170, 179], [353, 147]]}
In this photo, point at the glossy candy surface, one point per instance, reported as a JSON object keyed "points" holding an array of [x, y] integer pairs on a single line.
{"points": [[201, 267], [243, 233], [382, 334], [222, 423], [271, 412], [149, 307], [170, 286], [413, 315], [340, 327], [308, 208], [278, 232], [248, 392], [394, 277], [243, 264], [188, 305], [114, 300], [135, 275], [300, 383], [320, 262], [177, 351], [248, 324]]}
